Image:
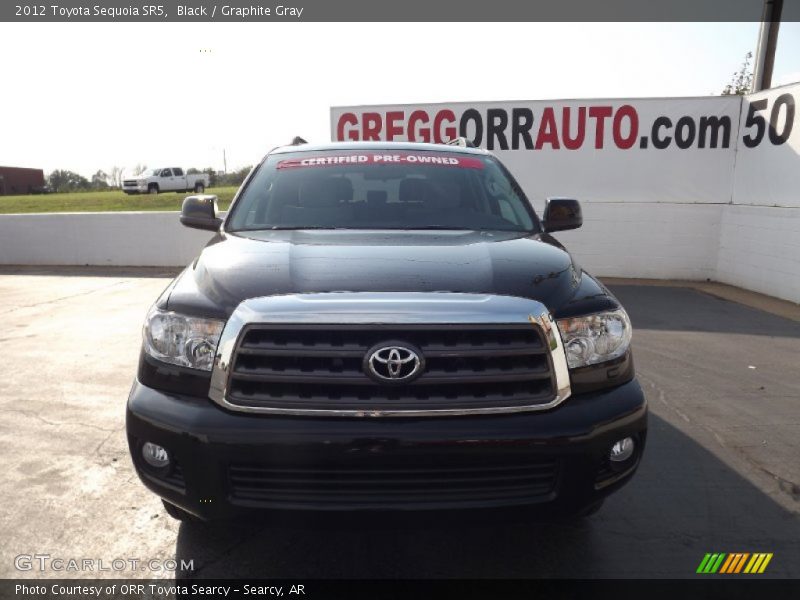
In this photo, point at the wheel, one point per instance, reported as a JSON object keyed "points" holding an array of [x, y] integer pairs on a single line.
{"points": [[178, 513], [199, 188], [152, 188]]}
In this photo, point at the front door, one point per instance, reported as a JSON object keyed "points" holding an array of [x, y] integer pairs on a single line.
{"points": [[168, 181]]}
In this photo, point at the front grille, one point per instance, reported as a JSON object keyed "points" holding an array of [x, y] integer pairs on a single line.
{"points": [[320, 368], [129, 183], [506, 482]]}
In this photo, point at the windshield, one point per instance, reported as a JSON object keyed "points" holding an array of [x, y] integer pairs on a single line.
{"points": [[384, 189], [149, 172]]}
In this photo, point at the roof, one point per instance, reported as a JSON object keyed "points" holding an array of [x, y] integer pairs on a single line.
{"points": [[413, 146], [2, 168]]}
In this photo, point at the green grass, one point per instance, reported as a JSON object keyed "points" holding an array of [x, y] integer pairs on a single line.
{"points": [[104, 201]]}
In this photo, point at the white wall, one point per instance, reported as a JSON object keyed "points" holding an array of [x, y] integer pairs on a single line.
{"points": [[768, 174], [759, 250], [112, 238], [759, 247], [625, 240], [659, 241], [753, 247]]}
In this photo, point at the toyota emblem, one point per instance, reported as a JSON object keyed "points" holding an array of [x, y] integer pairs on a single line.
{"points": [[393, 362]]}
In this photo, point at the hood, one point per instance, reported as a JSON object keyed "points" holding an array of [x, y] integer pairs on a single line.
{"points": [[235, 267]]}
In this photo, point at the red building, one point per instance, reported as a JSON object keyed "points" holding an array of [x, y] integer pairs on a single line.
{"points": [[17, 180]]}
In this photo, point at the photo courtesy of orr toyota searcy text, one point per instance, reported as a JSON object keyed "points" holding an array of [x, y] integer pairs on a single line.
{"points": [[156, 590]]}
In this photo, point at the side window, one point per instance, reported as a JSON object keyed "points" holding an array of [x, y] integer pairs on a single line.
{"points": [[166, 173], [177, 172]]}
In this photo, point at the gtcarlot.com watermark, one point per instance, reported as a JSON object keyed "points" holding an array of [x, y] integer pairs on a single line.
{"points": [[47, 562]]}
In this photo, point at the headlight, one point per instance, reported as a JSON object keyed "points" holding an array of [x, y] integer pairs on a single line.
{"points": [[181, 340], [595, 338]]}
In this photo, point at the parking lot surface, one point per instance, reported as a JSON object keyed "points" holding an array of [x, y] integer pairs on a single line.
{"points": [[720, 474]]}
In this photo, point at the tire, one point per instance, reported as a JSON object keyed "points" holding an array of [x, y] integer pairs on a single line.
{"points": [[199, 188], [152, 188], [178, 513]]}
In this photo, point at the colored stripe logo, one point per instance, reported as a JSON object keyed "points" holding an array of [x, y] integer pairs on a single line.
{"points": [[734, 563]]}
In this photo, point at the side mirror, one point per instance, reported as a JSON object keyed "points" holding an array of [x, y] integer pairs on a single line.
{"points": [[200, 212], [561, 214]]}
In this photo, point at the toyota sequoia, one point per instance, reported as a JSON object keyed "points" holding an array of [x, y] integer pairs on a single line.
{"points": [[384, 327]]}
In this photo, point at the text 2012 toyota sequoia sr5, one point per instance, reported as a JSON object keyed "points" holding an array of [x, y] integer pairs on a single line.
{"points": [[384, 327]]}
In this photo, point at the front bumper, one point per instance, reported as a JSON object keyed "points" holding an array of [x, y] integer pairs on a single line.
{"points": [[206, 441]]}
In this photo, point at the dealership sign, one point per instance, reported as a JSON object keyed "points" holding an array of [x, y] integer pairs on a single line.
{"points": [[557, 127], [626, 150]]}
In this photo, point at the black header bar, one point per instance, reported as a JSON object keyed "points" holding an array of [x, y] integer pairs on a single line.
{"points": [[379, 11], [700, 586]]}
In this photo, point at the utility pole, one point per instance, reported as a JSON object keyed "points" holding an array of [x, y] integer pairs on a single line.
{"points": [[767, 42], [224, 162]]}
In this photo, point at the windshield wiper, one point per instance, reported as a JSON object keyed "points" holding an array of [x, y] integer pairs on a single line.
{"points": [[366, 227], [446, 228], [281, 228], [436, 227]]}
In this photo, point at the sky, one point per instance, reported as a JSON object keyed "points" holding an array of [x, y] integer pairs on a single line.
{"points": [[84, 96]]}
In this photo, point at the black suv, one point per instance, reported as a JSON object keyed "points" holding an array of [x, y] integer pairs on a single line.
{"points": [[384, 327]]}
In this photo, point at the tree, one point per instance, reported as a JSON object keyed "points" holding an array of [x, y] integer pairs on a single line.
{"points": [[212, 176], [66, 181], [235, 177], [100, 180], [139, 169], [114, 178], [742, 80]]}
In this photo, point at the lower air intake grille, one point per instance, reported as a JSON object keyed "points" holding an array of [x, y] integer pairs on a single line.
{"points": [[358, 487]]}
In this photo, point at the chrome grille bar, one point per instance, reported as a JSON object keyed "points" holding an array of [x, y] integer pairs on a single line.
{"points": [[241, 382]]}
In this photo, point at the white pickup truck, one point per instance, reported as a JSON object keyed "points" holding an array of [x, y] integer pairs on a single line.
{"points": [[171, 179]]}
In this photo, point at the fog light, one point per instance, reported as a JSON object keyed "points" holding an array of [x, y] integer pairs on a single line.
{"points": [[622, 450], [154, 455]]}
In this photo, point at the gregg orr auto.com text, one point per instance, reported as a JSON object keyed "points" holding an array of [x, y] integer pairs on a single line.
{"points": [[569, 127]]}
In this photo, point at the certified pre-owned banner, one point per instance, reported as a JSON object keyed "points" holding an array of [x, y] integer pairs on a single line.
{"points": [[623, 150]]}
